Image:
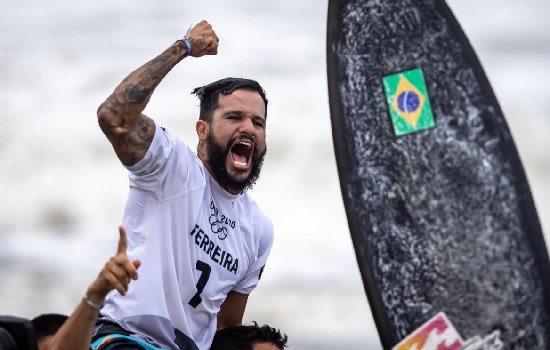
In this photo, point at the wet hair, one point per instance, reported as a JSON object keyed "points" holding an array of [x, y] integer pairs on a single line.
{"points": [[245, 337], [47, 324], [209, 94]]}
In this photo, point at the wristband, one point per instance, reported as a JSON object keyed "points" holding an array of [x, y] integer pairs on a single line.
{"points": [[188, 44], [92, 304]]}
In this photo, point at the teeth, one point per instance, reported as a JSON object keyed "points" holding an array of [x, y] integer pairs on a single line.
{"points": [[239, 163], [247, 144]]}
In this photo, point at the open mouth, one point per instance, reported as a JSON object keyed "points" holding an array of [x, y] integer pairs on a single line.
{"points": [[241, 153]]}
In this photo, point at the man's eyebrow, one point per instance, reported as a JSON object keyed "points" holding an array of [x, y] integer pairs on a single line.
{"points": [[241, 113], [233, 112]]}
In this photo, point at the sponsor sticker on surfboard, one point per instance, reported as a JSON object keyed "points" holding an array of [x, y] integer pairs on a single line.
{"points": [[436, 334], [408, 102]]}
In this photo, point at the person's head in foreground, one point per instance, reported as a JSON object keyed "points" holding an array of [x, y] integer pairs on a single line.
{"points": [[231, 131], [249, 337], [45, 327]]}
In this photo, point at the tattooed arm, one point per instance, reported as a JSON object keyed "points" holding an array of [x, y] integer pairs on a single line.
{"points": [[120, 116]]}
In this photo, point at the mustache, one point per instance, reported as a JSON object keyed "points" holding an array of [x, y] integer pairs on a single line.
{"points": [[217, 156], [239, 138]]}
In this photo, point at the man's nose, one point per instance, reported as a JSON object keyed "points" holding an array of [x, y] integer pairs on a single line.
{"points": [[247, 126]]}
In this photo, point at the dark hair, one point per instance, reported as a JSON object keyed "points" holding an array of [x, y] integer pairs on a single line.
{"points": [[244, 337], [209, 94], [47, 324]]}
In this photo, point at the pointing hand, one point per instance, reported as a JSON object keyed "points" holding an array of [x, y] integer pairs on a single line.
{"points": [[116, 274]]}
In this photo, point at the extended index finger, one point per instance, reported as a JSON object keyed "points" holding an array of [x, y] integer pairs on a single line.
{"points": [[122, 242]]}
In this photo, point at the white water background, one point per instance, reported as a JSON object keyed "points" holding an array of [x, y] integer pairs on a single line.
{"points": [[62, 190]]}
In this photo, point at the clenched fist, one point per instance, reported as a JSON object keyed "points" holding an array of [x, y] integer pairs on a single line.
{"points": [[203, 39]]}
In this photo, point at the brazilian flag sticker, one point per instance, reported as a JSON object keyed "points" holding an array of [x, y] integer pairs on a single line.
{"points": [[408, 102]]}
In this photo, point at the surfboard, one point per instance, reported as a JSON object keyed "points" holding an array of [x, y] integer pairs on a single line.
{"points": [[439, 208]]}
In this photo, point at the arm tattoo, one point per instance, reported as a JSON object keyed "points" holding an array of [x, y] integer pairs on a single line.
{"points": [[120, 118], [131, 144], [198, 41]]}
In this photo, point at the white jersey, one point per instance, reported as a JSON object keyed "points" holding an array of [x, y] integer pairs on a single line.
{"points": [[196, 243]]}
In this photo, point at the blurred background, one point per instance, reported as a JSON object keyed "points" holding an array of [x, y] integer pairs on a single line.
{"points": [[62, 189]]}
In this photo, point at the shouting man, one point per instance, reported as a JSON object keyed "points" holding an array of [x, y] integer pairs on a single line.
{"points": [[201, 240]]}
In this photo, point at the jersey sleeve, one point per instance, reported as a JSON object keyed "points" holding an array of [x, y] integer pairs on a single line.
{"points": [[166, 161], [250, 280]]}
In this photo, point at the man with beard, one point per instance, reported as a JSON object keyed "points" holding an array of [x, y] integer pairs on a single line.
{"points": [[201, 240]]}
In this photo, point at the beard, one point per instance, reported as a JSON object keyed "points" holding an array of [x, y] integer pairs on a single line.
{"points": [[217, 160]]}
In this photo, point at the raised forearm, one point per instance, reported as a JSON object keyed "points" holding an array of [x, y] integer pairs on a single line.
{"points": [[129, 99], [129, 131], [118, 272], [120, 116], [76, 333]]}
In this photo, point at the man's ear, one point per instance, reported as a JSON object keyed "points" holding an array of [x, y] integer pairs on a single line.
{"points": [[202, 128]]}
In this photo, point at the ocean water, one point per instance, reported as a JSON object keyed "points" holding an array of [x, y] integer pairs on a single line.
{"points": [[62, 190]]}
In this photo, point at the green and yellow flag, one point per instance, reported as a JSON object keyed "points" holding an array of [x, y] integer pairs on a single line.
{"points": [[408, 102]]}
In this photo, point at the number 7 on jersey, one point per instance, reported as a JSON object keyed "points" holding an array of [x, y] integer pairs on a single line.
{"points": [[204, 268]]}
